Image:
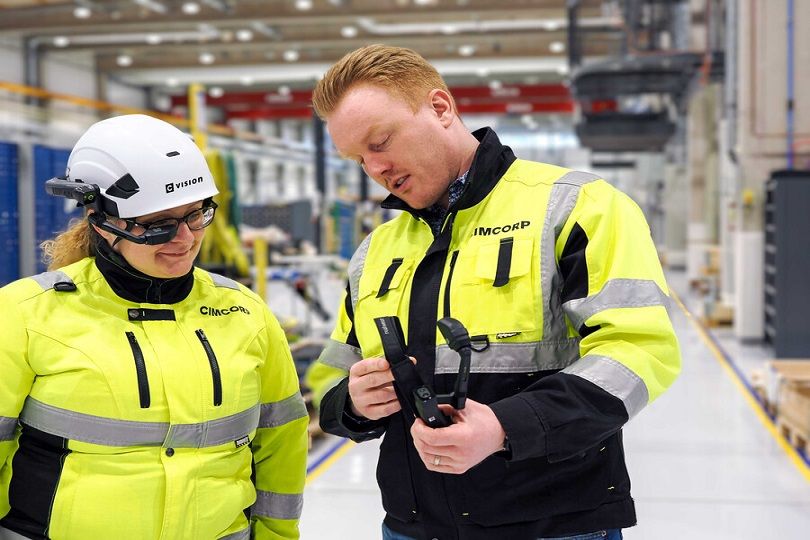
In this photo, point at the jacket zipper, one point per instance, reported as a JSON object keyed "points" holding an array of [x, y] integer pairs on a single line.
{"points": [[140, 369], [453, 258], [212, 361]]}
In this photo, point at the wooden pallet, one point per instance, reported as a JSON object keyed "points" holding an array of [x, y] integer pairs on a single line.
{"points": [[795, 435]]}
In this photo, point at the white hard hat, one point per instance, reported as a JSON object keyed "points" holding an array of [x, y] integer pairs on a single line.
{"points": [[141, 165]]}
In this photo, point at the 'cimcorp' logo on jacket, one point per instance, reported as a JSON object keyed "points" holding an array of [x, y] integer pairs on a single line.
{"points": [[218, 312], [171, 186], [487, 231]]}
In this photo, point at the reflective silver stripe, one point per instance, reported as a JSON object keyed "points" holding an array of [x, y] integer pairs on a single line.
{"points": [[284, 411], [8, 426], [244, 534], [110, 432], [213, 432], [356, 269], [616, 293], [47, 280], [512, 357], [277, 505], [222, 281], [340, 355], [561, 202], [614, 378]]}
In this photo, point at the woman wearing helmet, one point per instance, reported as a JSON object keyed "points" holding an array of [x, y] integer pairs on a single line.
{"points": [[141, 397]]}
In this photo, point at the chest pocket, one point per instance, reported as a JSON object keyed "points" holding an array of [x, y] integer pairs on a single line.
{"points": [[382, 289], [497, 291]]}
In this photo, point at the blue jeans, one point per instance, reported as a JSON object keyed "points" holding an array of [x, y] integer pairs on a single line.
{"points": [[612, 534]]}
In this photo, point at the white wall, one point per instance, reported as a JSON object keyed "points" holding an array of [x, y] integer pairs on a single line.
{"points": [[66, 73], [122, 94], [11, 61], [69, 74]]}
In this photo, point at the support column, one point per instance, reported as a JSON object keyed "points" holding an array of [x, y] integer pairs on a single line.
{"points": [[319, 138]]}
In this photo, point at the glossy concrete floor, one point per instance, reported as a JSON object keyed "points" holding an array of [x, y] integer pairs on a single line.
{"points": [[704, 463]]}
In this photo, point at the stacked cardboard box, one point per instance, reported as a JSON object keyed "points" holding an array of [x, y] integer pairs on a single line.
{"points": [[789, 392]]}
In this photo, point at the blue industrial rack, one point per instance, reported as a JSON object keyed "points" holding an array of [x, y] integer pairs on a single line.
{"points": [[9, 214], [344, 214], [51, 214]]}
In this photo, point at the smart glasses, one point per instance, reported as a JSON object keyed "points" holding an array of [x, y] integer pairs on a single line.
{"points": [[159, 231], [196, 220]]}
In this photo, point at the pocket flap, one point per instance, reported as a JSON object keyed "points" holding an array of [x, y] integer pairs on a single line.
{"points": [[375, 277], [486, 264]]}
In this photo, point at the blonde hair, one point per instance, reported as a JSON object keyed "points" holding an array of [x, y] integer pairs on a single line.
{"points": [[398, 70], [68, 247]]}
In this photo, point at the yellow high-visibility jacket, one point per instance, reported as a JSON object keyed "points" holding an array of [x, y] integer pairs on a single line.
{"points": [[555, 276], [146, 421]]}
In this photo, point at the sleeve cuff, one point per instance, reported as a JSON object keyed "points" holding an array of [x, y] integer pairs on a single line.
{"points": [[357, 424], [525, 431]]}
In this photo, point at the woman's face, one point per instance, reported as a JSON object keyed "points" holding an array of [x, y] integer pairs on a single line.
{"points": [[172, 259]]}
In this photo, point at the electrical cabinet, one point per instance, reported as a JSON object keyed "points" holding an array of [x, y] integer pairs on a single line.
{"points": [[787, 263]]}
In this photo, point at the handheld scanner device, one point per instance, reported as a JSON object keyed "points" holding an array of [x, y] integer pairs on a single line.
{"points": [[89, 195], [457, 339], [416, 397]]}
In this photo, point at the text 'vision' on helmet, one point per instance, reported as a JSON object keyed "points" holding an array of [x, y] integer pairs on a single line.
{"points": [[141, 165]]}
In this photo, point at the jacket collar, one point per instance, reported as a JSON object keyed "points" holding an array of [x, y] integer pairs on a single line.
{"points": [[490, 163], [135, 286]]}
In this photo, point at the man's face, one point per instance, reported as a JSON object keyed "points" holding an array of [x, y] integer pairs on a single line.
{"points": [[404, 151]]}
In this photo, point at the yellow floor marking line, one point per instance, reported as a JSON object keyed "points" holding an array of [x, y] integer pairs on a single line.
{"points": [[791, 452]]}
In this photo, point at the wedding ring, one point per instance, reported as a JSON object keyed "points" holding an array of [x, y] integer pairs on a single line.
{"points": [[437, 460]]}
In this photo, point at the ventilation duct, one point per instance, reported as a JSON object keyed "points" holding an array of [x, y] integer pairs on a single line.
{"points": [[654, 74], [625, 132]]}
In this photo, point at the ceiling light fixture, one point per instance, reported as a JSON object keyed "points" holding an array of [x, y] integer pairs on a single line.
{"points": [[191, 8], [291, 55], [303, 5], [61, 41], [82, 12], [124, 60], [216, 92], [207, 58], [244, 35], [171, 81], [348, 32], [153, 39], [556, 47], [466, 50], [284, 90], [246, 80]]}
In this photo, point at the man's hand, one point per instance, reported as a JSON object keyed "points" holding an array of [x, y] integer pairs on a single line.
{"points": [[371, 389], [474, 435]]}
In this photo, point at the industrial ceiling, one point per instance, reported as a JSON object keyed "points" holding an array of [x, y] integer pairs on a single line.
{"points": [[291, 42], [259, 56]]}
